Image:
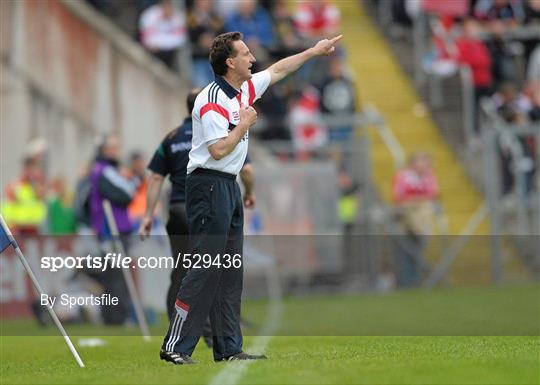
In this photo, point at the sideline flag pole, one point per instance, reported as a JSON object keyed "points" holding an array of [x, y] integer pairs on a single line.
{"points": [[126, 272], [6, 240]]}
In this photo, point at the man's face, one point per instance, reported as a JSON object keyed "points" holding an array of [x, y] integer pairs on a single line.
{"points": [[243, 61]]}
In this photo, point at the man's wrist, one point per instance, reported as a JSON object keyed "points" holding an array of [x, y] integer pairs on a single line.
{"points": [[310, 53], [243, 128]]}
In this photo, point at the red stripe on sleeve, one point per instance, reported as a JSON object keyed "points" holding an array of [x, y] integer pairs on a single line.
{"points": [[182, 305], [251, 90], [214, 107]]}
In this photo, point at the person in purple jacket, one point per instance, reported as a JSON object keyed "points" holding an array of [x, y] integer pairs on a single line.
{"points": [[108, 183]]}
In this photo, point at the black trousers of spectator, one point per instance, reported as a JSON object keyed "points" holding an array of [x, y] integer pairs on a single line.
{"points": [[113, 283], [177, 229], [215, 220]]}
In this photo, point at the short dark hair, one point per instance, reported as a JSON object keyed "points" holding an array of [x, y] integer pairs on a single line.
{"points": [[190, 100], [135, 155], [222, 49]]}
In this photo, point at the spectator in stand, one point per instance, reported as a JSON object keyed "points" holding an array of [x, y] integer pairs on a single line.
{"points": [[163, 32], [524, 102], [510, 12], [38, 150], [81, 201], [204, 25], [532, 12], [109, 182], [137, 207], [416, 194], [24, 210], [506, 100], [534, 113], [503, 63], [533, 69], [338, 98], [137, 171], [532, 20], [317, 19], [469, 50], [308, 130], [513, 111], [255, 24], [225, 8], [348, 213], [287, 37], [61, 216], [440, 60], [274, 108], [516, 109]]}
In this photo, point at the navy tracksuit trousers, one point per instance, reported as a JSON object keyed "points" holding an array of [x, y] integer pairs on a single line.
{"points": [[215, 220]]}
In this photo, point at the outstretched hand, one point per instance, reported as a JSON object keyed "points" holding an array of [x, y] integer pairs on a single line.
{"points": [[326, 46]]}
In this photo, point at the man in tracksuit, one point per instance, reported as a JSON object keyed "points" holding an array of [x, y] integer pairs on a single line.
{"points": [[222, 116], [171, 158]]}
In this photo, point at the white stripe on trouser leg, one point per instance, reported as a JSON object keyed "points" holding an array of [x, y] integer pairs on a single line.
{"points": [[168, 344], [182, 314], [173, 333], [176, 328], [178, 334]]}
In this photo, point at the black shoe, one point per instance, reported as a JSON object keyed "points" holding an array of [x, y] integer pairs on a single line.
{"points": [[243, 357], [176, 358]]}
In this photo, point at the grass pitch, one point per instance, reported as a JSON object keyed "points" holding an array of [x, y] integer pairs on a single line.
{"points": [[508, 354]]}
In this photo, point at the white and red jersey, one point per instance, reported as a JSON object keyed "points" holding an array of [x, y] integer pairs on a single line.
{"points": [[160, 32], [409, 185], [316, 20], [215, 113]]}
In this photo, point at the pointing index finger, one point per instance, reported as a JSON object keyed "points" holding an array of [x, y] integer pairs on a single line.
{"points": [[336, 39]]}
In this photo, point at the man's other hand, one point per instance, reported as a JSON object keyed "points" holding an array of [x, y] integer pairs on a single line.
{"points": [[248, 115]]}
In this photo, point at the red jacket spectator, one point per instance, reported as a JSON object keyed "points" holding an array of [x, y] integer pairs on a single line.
{"points": [[416, 182], [473, 52], [317, 18]]}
